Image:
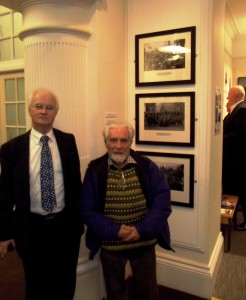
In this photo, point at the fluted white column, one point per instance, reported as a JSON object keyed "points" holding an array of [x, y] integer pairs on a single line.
{"points": [[55, 36], [60, 63]]}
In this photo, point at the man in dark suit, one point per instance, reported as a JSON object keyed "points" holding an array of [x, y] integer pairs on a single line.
{"points": [[234, 148], [46, 239]]}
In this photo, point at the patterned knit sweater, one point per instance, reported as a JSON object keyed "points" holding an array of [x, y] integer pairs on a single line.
{"points": [[125, 204]]}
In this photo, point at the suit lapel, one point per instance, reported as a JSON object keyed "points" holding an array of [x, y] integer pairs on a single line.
{"points": [[23, 149], [21, 153], [60, 144]]}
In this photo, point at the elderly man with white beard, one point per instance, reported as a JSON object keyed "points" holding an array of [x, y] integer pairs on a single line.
{"points": [[125, 203]]}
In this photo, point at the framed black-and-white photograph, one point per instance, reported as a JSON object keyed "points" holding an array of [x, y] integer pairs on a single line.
{"points": [[165, 119], [218, 110], [165, 57], [179, 172]]}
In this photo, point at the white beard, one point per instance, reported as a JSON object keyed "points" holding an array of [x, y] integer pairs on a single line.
{"points": [[119, 158]]}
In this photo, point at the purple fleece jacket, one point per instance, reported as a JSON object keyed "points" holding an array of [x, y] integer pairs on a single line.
{"points": [[157, 193]]}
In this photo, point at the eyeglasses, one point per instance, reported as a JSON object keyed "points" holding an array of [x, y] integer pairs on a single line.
{"points": [[40, 106], [115, 140]]}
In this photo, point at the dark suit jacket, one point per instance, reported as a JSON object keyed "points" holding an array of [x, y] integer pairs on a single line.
{"points": [[234, 150], [15, 189]]}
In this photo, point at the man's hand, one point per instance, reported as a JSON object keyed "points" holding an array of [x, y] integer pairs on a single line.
{"points": [[128, 233], [4, 247], [124, 231]]}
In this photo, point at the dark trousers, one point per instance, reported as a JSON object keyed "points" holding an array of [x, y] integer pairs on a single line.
{"points": [[233, 183], [50, 261], [242, 201], [143, 265]]}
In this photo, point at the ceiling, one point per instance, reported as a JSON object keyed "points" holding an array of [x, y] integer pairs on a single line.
{"points": [[238, 12], [237, 9]]}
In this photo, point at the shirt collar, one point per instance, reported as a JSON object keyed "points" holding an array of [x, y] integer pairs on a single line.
{"points": [[35, 135], [130, 160]]}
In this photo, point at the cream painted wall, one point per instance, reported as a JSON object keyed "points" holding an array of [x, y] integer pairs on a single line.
{"points": [[228, 47], [235, 58], [239, 58], [107, 50], [217, 77], [239, 68], [239, 44], [195, 231], [163, 16]]}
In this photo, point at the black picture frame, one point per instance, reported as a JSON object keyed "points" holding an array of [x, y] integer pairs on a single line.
{"points": [[179, 172], [154, 67], [165, 119]]}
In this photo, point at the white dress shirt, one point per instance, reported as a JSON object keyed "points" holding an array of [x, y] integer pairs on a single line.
{"points": [[34, 172]]}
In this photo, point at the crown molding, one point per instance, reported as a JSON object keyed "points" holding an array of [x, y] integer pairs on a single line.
{"points": [[19, 5], [230, 24]]}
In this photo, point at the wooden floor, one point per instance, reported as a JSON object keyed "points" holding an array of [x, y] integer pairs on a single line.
{"points": [[167, 294], [12, 284], [230, 284]]}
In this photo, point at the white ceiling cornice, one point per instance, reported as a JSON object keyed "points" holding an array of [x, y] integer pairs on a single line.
{"points": [[19, 5], [230, 23]]}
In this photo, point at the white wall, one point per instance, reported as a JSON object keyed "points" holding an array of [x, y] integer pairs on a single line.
{"points": [[106, 93], [239, 58], [239, 67], [107, 50], [235, 57], [195, 231]]}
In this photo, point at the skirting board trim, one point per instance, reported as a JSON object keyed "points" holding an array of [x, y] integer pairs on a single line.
{"points": [[190, 276]]}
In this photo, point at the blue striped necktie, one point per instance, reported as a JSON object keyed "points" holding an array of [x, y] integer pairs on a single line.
{"points": [[48, 197]]}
